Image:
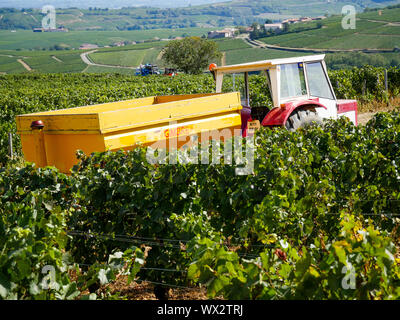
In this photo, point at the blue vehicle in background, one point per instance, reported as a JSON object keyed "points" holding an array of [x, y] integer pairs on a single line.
{"points": [[146, 70]]}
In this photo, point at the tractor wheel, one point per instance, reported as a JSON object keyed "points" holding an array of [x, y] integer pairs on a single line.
{"points": [[302, 119]]}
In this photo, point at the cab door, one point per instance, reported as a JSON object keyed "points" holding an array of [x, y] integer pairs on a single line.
{"points": [[320, 87]]}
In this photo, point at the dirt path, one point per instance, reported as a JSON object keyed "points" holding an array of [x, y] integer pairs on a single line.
{"points": [[85, 58], [223, 59], [55, 58], [144, 291], [363, 118], [160, 55], [24, 64], [386, 23], [84, 70], [80, 14]]}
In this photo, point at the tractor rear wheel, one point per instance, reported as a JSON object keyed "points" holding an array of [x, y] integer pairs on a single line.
{"points": [[302, 119]]}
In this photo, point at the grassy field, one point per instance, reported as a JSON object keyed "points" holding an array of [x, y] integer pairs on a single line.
{"points": [[363, 41], [121, 58], [231, 44], [57, 63], [392, 15], [373, 31], [385, 30], [42, 61], [128, 58], [10, 65], [236, 51], [132, 56], [96, 69], [256, 54], [25, 40], [70, 60], [138, 46]]}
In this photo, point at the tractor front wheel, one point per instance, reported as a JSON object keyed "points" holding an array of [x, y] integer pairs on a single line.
{"points": [[302, 119]]}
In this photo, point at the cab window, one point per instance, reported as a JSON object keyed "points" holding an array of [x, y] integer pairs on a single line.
{"points": [[317, 81], [293, 82]]}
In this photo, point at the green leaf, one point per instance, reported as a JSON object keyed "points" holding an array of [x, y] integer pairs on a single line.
{"points": [[231, 269], [34, 289], [48, 206], [5, 286], [340, 252], [215, 287], [24, 267], [193, 272], [103, 276], [71, 291]]}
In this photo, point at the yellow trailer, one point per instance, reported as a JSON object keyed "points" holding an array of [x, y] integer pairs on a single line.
{"points": [[52, 138]]}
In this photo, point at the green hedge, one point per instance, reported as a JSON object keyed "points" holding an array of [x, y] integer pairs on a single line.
{"points": [[316, 219]]}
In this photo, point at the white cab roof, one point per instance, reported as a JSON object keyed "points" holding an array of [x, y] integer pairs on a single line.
{"points": [[266, 64]]}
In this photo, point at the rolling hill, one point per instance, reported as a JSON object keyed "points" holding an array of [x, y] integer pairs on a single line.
{"points": [[374, 30], [375, 41]]}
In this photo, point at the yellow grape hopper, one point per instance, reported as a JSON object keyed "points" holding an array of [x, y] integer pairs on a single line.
{"points": [[52, 138]]}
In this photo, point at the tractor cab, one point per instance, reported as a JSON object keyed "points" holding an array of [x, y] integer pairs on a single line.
{"points": [[300, 91]]}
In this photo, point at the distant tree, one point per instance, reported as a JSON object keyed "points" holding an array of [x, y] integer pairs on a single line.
{"points": [[258, 31], [242, 29], [286, 27], [256, 26], [192, 54]]}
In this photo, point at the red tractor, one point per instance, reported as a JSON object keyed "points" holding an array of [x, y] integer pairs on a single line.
{"points": [[300, 89]]}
